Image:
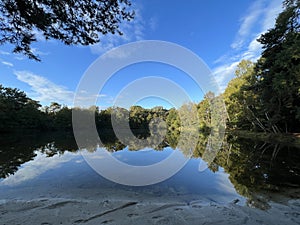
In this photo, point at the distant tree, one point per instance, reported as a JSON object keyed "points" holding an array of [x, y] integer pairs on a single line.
{"points": [[54, 108], [72, 22], [204, 112], [188, 115], [103, 118], [138, 117], [63, 119], [173, 120]]}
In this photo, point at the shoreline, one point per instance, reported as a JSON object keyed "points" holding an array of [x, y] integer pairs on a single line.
{"points": [[290, 139], [134, 211]]}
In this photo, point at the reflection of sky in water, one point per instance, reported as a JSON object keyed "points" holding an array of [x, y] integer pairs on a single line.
{"points": [[61, 173], [142, 157], [35, 168]]}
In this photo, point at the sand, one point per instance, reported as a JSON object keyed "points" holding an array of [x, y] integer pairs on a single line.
{"points": [[142, 212]]}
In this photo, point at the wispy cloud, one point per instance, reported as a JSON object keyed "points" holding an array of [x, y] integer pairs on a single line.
{"points": [[86, 99], [132, 31], [9, 64], [153, 23], [36, 51], [247, 23], [224, 73], [4, 53], [45, 90], [259, 18]]}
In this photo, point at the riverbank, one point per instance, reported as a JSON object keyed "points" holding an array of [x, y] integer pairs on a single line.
{"points": [[290, 139], [134, 211]]}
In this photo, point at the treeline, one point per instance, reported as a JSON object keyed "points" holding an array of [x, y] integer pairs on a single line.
{"points": [[18, 111], [265, 96]]}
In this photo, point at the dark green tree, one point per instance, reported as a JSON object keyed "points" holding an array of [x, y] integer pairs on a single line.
{"points": [[63, 119], [278, 71], [72, 22], [17, 110]]}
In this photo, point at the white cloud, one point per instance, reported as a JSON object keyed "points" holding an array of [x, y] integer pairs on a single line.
{"points": [[132, 31], [153, 23], [36, 51], [259, 18], [20, 58], [85, 99], [4, 53], [39, 35], [224, 73], [224, 184], [45, 90], [247, 24], [270, 14], [253, 50], [7, 64]]}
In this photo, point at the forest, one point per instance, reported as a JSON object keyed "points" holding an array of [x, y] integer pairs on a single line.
{"points": [[264, 96]]}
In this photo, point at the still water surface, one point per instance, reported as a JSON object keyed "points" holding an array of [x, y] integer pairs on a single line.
{"points": [[50, 165]]}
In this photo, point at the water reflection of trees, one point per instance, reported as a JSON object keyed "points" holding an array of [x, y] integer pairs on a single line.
{"points": [[20, 148], [253, 167], [256, 167]]}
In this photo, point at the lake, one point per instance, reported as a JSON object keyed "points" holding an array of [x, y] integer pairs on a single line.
{"points": [[246, 173]]}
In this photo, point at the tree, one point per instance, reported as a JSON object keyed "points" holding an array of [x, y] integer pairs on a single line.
{"points": [[53, 108], [63, 119], [69, 21], [17, 110], [103, 118], [204, 112], [242, 104], [278, 71], [173, 120], [137, 117]]}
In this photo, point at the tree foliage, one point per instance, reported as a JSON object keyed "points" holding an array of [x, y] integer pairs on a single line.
{"points": [[278, 71], [72, 22], [242, 103], [265, 96], [17, 110]]}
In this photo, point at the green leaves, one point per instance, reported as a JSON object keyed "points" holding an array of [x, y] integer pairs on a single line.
{"points": [[265, 96], [279, 71], [72, 22]]}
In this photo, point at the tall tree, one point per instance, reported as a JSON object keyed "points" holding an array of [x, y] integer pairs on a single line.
{"points": [[278, 70], [70, 21], [243, 105]]}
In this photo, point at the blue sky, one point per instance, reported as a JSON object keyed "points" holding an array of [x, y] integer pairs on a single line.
{"points": [[222, 33]]}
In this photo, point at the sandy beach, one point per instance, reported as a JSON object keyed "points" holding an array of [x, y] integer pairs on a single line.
{"points": [[136, 211]]}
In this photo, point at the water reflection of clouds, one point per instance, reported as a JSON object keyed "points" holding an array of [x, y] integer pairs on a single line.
{"points": [[39, 165], [224, 183]]}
